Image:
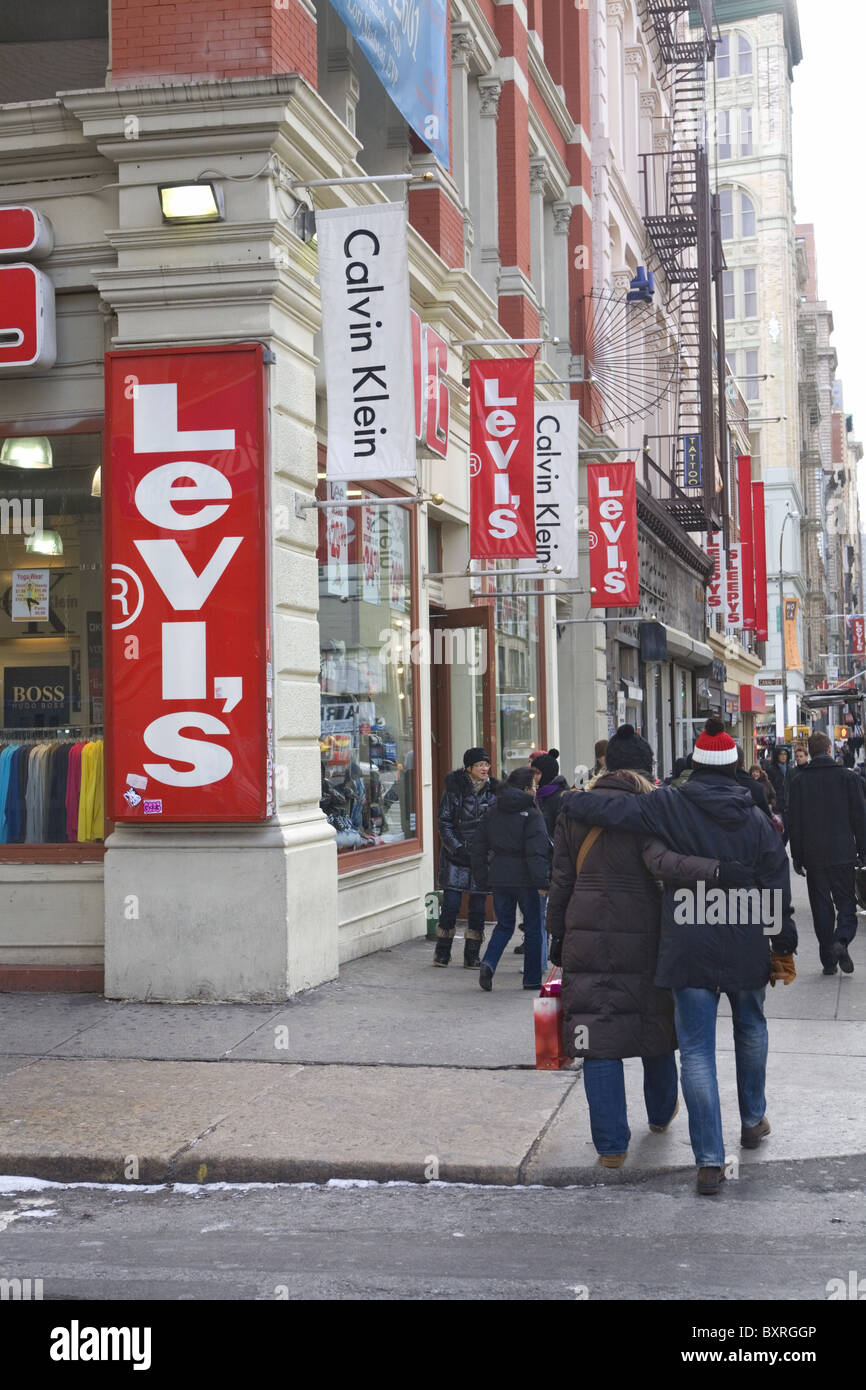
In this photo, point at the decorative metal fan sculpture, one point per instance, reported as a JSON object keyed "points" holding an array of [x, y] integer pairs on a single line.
{"points": [[628, 363]]}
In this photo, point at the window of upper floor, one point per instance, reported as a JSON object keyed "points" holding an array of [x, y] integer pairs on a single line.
{"points": [[734, 133], [733, 56], [740, 287], [737, 214]]}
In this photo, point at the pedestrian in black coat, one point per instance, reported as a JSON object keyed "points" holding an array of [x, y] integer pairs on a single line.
{"points": [[756, 790], [779, 773], [511, 857], [468, 796], [604, 926], [827, 818], [718, 941], [551, 787]]}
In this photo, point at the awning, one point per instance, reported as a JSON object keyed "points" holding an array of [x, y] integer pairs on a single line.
{"points": [[685, 650]]}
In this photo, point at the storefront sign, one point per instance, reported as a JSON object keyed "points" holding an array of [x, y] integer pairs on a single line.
{"points": [[28, 340], [733, 608], [753, 700], [792, 649], [759, 542], [717, 583], [406, 44], [364, 279], [188, 652], [501, 459], [336, 524], [747, 562], [30, 595], [613, 562], [556, 472], [430, 392], [35, 697], [692, 470], [858, 637]]}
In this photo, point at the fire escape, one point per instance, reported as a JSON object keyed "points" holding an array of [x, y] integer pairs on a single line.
{"points": [[677, 215]]}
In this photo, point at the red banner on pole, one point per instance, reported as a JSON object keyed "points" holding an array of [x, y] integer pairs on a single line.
{"points": [[747, 558], [502, 459], [189, 722], [759, 542], [858, 636], [612, 505]]}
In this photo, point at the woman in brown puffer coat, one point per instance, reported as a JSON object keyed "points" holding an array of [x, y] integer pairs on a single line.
{"points": [[604, 927]]}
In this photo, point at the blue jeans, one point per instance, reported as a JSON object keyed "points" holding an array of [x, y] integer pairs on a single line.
{"points": [[505, 904], [695, 1012], [604, 1083], [451, 900]]}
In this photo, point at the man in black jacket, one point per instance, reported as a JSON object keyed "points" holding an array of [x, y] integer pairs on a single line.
{"points": [[707, 949], [827, 816], [468, 796]]}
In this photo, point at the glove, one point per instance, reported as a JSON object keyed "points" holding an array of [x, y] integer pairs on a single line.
{"points": [[798, 869], [782, 968], [734, 874], [554, 953]]}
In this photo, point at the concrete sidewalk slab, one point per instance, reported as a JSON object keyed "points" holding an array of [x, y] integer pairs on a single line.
{"points": [[78, 1120], [33, 1024], [195, 1032], [385, 1123], [804, 1037]]}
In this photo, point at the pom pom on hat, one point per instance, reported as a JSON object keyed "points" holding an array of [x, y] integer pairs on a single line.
{"points": [[548, 765], [715, 747]]}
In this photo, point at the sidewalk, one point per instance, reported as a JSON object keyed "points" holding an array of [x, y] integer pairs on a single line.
{"points": [[394, 1071]]}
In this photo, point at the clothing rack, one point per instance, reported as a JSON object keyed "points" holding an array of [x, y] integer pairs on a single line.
{"points": [[69, 730]]}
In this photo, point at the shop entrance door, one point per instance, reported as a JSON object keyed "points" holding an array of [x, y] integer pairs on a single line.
{"points": [[463, 691]]}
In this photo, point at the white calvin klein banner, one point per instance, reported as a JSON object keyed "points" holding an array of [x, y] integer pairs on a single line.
{"points": [[556, 470], [364, 279]]}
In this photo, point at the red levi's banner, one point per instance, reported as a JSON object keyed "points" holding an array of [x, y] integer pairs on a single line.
{"points": [[747, 559], [612, 506], [189, 721], [502, 459], [759, 543], [858, 636]]}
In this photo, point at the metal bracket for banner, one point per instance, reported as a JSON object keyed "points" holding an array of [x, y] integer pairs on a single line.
{"points": [[428, 176], [502, 342], [636, 618], [403, 500], [534, 593], [486, 574]]}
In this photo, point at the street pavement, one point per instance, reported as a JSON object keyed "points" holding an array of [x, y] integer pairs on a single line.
{"points": [[395, 1071]]}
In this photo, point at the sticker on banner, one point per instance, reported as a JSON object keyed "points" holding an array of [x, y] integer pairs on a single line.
{"points": [[153, 808]]}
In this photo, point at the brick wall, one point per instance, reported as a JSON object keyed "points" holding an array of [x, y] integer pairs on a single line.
{"points": [[176, 40]]}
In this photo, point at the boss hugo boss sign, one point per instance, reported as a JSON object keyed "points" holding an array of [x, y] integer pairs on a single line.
{"points": [[186, 580]]}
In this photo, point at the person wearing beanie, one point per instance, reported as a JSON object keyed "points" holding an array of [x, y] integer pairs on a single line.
{"points": [[551, 787], [469, 794], [604, 910], [713, 948]]}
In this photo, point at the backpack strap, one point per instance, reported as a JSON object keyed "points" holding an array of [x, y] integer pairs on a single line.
{"points": [[587, 845]]}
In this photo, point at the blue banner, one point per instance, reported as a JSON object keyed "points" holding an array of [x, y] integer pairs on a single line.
{"points": [[406, 44], [694, 474]]}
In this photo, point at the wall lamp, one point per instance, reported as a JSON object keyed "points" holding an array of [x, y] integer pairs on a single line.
{"points": [[198, 201]]}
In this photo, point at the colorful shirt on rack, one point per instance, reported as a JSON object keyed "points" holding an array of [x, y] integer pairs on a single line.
{"points": [[91, 807]]}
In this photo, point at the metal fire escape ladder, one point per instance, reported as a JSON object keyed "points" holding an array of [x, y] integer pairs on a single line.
{"points": [[680, 237]]}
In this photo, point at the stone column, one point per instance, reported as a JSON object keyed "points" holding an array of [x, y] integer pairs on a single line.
{"points": [[485, 252]]}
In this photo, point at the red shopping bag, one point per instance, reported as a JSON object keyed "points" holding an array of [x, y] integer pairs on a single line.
{"points": [[550, 1055]]}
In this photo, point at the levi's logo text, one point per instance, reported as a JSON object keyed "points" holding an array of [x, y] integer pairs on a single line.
{"points": [[613, 559], [502, 457], [187, 585]]}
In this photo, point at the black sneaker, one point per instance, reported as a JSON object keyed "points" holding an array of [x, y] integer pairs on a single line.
{"points": [[831, 969], [843, 960], [518, 950], [709, 1181], [485, 977]]}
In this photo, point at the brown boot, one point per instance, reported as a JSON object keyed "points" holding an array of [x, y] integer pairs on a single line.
{"points": [[709, 1181]]}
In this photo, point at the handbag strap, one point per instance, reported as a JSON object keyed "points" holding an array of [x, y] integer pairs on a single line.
{"points": [[587, 845]]}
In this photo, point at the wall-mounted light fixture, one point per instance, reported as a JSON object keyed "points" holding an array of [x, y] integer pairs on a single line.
{"points": [[198, 201], [44, 543], [34, 452]]}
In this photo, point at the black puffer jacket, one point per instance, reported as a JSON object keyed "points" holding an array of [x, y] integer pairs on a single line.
{"points": [[826, 815], [511, 848], [609, 919], [464, 804], [710, 815], [549, 801]]}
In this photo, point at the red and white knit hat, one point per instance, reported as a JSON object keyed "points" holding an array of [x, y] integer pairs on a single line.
{"points": [[714, 748]]}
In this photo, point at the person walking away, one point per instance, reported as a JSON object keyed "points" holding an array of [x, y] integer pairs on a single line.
{"points": [[827, 819], [469, 794], [603, 915], [511, 858], [701, 960]]}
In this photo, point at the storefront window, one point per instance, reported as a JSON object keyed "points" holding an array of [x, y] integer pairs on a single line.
{"points": [[518, 685], [51, 640], [367, 672]]}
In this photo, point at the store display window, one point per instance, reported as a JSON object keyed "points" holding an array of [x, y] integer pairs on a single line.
{"points": [[518, 672], [367, 673], [51, 641]]}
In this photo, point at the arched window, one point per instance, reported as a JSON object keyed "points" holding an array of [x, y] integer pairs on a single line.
{"points": [[738, 216], [730, 50], [744, 56], [747, 216]]}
